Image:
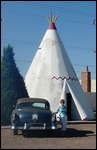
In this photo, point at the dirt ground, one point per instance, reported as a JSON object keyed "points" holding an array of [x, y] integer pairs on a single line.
{"points": [[77, 136]]}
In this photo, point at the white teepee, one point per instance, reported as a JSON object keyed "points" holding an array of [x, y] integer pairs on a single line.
{"points": [[51, 76]]}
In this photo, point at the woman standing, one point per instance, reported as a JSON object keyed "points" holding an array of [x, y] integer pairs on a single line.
{"points": [[62, 114]]}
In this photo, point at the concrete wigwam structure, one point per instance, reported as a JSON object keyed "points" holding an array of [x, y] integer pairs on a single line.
{"points": [[52, 76]]}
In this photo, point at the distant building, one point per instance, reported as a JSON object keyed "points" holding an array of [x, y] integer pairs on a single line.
{"points": [[88, 84], [93, 85], [89, 87]]}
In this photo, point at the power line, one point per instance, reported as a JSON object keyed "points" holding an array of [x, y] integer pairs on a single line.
{"points": [[22, 13], [15, 40], [83, 65], [65, 20], [29, 61], [56, 8], [71, 10], [36, 43]]}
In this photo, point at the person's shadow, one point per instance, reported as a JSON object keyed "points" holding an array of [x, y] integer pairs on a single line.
{"points": [[70, 132]]}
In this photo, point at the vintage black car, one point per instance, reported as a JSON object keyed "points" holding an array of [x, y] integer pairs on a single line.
{"points": [[32, 113]]}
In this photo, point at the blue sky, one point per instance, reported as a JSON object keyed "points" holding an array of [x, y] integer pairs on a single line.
{"points": [[24, 24]]}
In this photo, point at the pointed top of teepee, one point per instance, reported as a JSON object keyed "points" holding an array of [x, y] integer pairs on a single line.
{"points": [[52, 21]]}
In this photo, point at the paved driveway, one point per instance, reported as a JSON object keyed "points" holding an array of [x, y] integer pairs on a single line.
{"points": [[77, 136]]}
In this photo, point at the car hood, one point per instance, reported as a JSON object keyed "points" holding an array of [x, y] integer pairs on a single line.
{"points": [[34, 115]]}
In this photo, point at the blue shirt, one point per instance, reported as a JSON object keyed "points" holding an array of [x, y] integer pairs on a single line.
{"points": [[62, 110]]}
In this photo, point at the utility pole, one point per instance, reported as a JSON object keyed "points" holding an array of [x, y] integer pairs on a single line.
{"points": [[94, 23]]}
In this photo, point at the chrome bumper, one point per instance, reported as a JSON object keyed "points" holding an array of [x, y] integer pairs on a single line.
{"points": [[27, 127]]}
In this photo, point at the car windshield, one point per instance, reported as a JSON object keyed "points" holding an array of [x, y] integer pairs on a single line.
{"points": [[36, 105]]}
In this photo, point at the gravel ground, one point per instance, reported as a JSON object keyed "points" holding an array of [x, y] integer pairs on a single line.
{"points": [[77, 136]]}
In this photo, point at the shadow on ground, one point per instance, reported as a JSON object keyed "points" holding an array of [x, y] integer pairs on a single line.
{"points": [[70, 132]]}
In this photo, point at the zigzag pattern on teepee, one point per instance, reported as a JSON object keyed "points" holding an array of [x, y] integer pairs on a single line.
{"points": [[65, 78]]}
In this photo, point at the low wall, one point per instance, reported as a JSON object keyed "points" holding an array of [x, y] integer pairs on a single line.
{"points": [[92, 99]]}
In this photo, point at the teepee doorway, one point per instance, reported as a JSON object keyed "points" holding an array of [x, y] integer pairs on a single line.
{"points": [[69, 97]]}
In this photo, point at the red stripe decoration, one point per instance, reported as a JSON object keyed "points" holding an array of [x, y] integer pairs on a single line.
{"points": [[69, 78]]}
